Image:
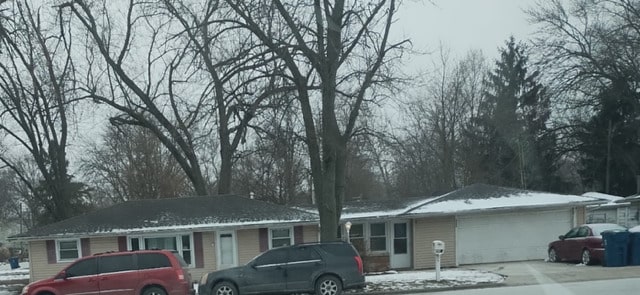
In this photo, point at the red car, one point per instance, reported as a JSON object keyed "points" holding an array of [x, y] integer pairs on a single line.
{"points": [[582, 243], [144, 272]]}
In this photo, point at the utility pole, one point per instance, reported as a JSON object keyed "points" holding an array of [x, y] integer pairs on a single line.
{"points": [[608, 168]]}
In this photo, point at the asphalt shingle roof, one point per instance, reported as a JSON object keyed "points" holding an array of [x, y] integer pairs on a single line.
{"points": [[157, 214]]}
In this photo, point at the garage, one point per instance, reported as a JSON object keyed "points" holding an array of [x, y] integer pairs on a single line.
{"points": [[523, 235]]}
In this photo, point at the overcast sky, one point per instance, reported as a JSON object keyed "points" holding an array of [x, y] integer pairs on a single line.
{"points": [[462, 25]]}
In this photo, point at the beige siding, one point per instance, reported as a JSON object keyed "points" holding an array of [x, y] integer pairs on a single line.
{"points": [[425, 231], [101, 245], [248, 245], [310, 233], [581, 215], [38, 262], [208, 254]]}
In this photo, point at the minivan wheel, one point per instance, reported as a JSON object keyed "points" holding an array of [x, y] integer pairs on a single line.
{"points": [[328, 285], [586, 257], [154, 291], [225, 288], [553, 256]]}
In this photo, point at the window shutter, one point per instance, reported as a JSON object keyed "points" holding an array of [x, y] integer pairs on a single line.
{"points": [[197, 248], [298, 234], [264, 239], [51, 251], [85, 246], [122, 243]]}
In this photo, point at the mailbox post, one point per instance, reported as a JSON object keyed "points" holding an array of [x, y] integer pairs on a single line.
{"points": [[438, 249]]}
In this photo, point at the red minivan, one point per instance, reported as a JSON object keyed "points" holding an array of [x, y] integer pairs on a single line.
{"points": [[144, 272]]}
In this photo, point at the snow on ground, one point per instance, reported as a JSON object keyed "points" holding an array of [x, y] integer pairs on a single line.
{"points": [[8, 278], [418, 280], [8, 274]]}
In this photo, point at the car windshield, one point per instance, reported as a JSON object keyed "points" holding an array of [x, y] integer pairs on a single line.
{"points": [[599, 228]]}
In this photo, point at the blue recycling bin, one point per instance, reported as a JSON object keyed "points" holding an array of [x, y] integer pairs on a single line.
{"points": [[616, 248], [13, 262], [634, 248]]}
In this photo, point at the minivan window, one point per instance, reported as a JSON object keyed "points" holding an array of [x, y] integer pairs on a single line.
{"points": [[116, 263], [152, 260], [86, 267], [181, 260]]}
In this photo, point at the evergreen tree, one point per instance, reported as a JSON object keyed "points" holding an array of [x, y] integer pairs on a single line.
{"points": [[509, 138], [608, 142]]}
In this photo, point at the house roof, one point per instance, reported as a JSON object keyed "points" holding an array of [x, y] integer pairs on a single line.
{"points": [[479, 197], [172, 215], [612, 201], [607, 197], [632, 198]]}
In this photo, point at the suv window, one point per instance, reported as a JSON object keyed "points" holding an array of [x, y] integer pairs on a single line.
{"points": [[152, 260], [116, 263], [303, 254], [275, 256], [338, 249], [86, 267]]}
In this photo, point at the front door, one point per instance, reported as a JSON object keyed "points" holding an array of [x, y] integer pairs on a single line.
{"points": [[227, 250], [400, 251]]}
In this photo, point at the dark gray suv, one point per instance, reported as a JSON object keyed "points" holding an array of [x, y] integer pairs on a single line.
{"points": [[322, 268]]}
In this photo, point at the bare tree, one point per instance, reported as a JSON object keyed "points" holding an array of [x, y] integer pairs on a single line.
{"points": [[343, 49], [134, 165], [207, 75], [36, 95], [135, 74]]}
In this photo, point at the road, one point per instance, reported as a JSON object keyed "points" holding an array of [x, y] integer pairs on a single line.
{"points": [[617, 286]]}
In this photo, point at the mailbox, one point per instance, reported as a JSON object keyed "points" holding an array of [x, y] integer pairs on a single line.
{"points": [[438, 247]]}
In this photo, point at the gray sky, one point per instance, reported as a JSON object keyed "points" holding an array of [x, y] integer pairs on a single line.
{"points": [[462, 25]]}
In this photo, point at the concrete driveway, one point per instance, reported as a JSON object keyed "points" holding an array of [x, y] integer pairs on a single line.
{"points": [[541, 272]]}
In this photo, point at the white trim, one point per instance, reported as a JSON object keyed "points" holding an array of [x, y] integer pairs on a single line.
{"points": [[291, 235], [176, 236], [78, 247]]}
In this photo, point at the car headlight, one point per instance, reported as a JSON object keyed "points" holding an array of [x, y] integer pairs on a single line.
{"points": [[203, 279]]}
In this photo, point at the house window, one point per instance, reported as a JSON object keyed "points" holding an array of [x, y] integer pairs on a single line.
{"points": [[280, 237], [68, 250], [182, 244], [378, 237]]}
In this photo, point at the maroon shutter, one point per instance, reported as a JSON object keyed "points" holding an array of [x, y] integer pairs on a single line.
{"points": [[197, 249], [122, 243], [51, 251], [85, 246], [298, 234], [264, 239]]}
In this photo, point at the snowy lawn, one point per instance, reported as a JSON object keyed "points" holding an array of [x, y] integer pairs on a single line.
{"points": [[9, 277], [418, 280]]}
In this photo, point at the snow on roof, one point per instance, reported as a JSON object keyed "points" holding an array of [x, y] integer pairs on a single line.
{"points": [[524, 199], [607, 197], [352, 213]]}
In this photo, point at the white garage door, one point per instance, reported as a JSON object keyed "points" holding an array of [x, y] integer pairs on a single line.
{"points": [[509, 237]]}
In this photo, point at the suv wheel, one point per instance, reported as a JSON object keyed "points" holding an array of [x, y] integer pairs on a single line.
{"points": [[328, 285], [225, 288], [154, 291]]}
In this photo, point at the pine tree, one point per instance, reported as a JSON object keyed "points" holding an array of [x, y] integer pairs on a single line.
{"points": [[510, 139]]}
